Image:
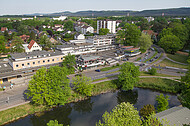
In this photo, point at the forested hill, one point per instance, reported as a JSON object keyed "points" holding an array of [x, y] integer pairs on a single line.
{"points": [[167, 12]]}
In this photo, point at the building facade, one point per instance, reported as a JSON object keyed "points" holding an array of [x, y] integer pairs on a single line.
{"points": [[111, 25]]}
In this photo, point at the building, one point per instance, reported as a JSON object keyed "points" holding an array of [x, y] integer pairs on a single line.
{"points": [[130, 50], [149, 19], [61, 18], [100, 40], [111, 25], [20, 61], [58, 26], [89, 61], [32, 46], [53, 41], [79, 36], [177, 116], [24, 37], [3, 29], [83, 28]]}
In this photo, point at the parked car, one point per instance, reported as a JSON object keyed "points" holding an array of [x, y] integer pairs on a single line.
{"points": [[150, 60], [98, 70], [146, 54], [142, 64], [156, 57]]}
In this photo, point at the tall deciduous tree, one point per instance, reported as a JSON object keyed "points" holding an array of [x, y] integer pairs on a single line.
{"points": [[82, 84], [32, 36], [45, 42], [103, 31], [159, 23], [122, 115], [16, 45], [49, 87], [170, 43], [69, 25], [2, 44], [130, 35], [162, 102], [129, 75], [147, 110], [69, 62], [145, 42]]}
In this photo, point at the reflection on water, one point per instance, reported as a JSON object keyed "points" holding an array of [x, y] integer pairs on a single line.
{"points": [[88, 112]]}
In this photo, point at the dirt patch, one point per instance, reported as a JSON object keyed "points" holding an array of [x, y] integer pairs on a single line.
{"points": [[182, 53]]}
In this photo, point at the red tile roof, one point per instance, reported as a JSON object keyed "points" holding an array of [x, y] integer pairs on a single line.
{"points": [[127, 47], [4, 28], [132, 49], [31, 44]]}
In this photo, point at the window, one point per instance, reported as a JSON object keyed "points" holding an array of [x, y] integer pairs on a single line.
{"points": [[22, 64], [28, 63], [38, 62], [61, 58], [52, 59], [33, 62], [16, 65], [43, 61], [48, 60]]}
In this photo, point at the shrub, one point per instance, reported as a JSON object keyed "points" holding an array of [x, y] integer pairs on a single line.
{"points": [[152, 71]]}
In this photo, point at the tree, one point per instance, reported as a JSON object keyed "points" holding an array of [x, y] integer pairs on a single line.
{"points": [[145, 42], [129, 75], [69, 62], [165, 31], [83, 85], [180, 31], [54, 123], [2, 44], [147, 110], [159, 23], [123, 114], [69, 25], [32, 36], [45, 42], [152, 71], [130, 35], [16, 45], [49, 87], [144, 25], [170, 43], [162, 102], [103, 31], [6, 35]]}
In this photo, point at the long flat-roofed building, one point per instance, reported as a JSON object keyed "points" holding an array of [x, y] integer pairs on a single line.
{"points": [[34, 59]]}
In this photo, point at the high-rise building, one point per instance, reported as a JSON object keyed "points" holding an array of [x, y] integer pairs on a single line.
{"points": [[111, 25]]}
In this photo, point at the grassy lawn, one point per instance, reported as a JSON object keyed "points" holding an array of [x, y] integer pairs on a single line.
{"points": [[109, 68], [169, 63], [178, 57], [160, 84]]}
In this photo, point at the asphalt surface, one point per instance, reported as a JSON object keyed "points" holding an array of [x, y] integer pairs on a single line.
{"points": [[16, 96]]}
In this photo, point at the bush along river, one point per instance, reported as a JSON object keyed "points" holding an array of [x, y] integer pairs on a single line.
{"points": [[88, 112]]}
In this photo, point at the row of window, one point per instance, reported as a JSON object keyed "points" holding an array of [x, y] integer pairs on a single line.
{"points": [[39, 62]]}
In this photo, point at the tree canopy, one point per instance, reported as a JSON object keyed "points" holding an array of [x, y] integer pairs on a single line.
{"points": [[69, 62], [2, 44], [69, 25], [170, 43], [16, 45], [54, 123], [145, 42], [45, 42], [49, 87], [129, 75], [103, 31], [123, 114], [162, 102], [82, 84]]}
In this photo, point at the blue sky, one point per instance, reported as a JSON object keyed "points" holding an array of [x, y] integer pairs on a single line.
{"points": [[51, 6]]}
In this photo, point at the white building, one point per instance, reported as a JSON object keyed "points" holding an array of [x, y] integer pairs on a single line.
{"points": [[79, 36], [100, 40], [32, 46], [111, 25], [149, 19], [84, 29], [61, 18]]}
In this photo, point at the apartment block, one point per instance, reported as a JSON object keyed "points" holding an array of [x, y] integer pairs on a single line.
{"points": [[111, 25]]}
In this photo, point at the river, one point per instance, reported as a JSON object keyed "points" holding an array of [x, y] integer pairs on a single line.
{"points": [[88, 112]]}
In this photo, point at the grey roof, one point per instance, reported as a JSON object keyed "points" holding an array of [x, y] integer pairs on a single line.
{"points": [[34, 53], [5, 67], [176, 115], [89, 57], [66, 46]]}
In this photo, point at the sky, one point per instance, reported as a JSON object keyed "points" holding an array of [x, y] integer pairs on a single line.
{"points": [[18, 7]]}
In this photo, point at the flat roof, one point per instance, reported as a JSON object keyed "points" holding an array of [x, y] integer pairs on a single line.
{"points": [[89, 57], [175, 115], [35, 53], [5, 67], [132, 49]]}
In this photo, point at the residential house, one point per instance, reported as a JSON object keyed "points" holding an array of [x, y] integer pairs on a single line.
{"points": [[61, 18], [58, 26], [3, 29], [32, 46], [24, 37], [87, 29], [11, 31], [53, 41]]}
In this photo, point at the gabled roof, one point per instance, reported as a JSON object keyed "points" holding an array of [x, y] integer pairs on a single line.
{"points": [[31, 44]]}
